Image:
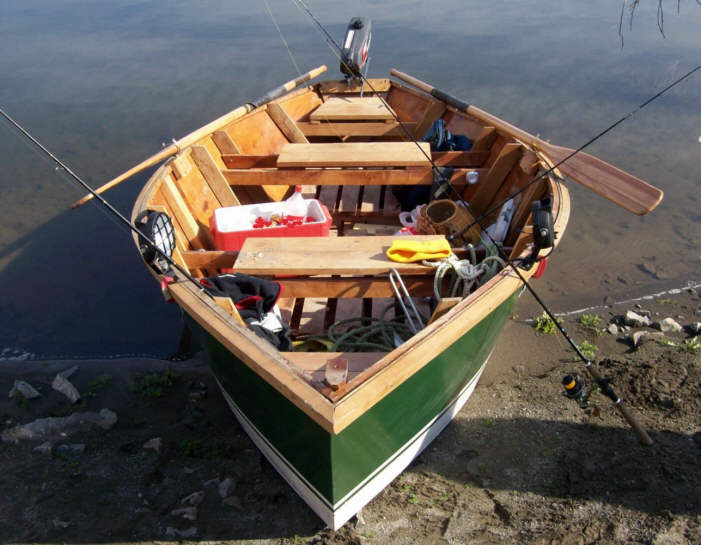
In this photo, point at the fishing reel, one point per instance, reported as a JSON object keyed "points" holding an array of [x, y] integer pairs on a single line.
{"points": [[543, 230], [159, 245], [356, 44], [576, 389]]}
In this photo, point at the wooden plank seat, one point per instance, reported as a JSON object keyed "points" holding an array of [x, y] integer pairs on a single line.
{"points": [[352, 108], [342, 129], [464, 159], [355, 154], [349, 255], [342, 177]]}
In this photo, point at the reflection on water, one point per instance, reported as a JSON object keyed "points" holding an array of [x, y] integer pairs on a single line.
{"points": [[103, 84]]}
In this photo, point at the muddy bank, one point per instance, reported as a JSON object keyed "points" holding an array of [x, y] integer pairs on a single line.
{"points": [[520, 464]]}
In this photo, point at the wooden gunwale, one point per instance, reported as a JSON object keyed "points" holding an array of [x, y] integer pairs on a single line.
{"points": [[375, 382]]}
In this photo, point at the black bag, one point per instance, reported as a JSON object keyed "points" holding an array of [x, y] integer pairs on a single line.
{"points": [[253, 297]]}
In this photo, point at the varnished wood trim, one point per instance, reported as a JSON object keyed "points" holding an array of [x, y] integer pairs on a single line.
{"points": [[370, 128], [379, 85], [344, 287], [286, 124], [209, 259], [487, 188], [433, 111], [485, 140], [224, 142], [255, 353], [213, 176], [179, 209], [329, 176]]}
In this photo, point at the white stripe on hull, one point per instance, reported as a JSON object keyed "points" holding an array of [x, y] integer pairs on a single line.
{"points": [[338, 514]]}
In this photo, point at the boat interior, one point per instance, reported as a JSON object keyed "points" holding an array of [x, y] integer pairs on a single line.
{"points": [[347, 150]]}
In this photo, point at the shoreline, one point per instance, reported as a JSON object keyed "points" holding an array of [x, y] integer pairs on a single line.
{"points": [[519, 464]]}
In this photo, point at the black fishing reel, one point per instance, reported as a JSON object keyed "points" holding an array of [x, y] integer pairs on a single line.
{"points": [[576, 389], [158, 247], [543, 230]]}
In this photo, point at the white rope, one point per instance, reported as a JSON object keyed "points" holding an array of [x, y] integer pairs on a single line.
{"points": [[465, 273]]}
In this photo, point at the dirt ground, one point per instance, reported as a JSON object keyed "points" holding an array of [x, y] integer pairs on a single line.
{"points": [[520, 464]]}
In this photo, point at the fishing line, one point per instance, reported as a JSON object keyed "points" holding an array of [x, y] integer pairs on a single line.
{"points": [[289, 51], [581, 148], [114, 211], [603, 383]]}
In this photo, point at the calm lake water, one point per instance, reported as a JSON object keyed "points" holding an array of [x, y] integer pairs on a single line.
{"points": [[103, 84]]}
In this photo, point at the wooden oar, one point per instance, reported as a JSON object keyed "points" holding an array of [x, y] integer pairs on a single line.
{"points": [[196, 135], [619, 187]]}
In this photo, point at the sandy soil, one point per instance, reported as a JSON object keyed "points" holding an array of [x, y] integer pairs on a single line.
{"points": [[520, 464]]}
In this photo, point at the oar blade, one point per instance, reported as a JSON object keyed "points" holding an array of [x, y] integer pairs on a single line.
{"points": [[604, 179]]}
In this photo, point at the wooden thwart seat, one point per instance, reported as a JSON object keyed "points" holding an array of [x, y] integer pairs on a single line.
{"points": [[355, 154], [352, 108], [324, 256]]}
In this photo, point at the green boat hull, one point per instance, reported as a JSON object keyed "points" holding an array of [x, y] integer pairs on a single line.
{"points": [[336, 474]]}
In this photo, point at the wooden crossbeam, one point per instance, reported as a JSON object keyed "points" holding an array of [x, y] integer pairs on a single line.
{"points": [[379, 85], [352, 108], [464, 159], [330, 176], [432, 112], [249, 161], [354, 154], [213, 176], [196, 237], [487, 188], [460, 158], [224, 142], [369, 128], [341, 287], [213, 259], [286, 124], [485, 139]]}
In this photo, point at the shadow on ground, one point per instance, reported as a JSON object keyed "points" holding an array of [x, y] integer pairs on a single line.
{"points": [[118, 491]]}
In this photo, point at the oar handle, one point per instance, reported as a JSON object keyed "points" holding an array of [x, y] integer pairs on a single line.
{"points": [[289, 85], [154, 159], [196, 135], [463, 106]]}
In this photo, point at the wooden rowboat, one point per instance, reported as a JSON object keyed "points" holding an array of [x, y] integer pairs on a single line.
{"points": [[338, 433]]}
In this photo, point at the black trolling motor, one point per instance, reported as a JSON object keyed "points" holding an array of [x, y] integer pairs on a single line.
{"points": [[355, 47]]}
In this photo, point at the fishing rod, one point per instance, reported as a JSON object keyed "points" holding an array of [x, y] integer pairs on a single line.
{"points": [[142, 237], [603, 383]]}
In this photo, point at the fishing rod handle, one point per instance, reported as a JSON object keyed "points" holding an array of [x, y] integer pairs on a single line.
{"points": [[643, 436], [608, 391]]}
